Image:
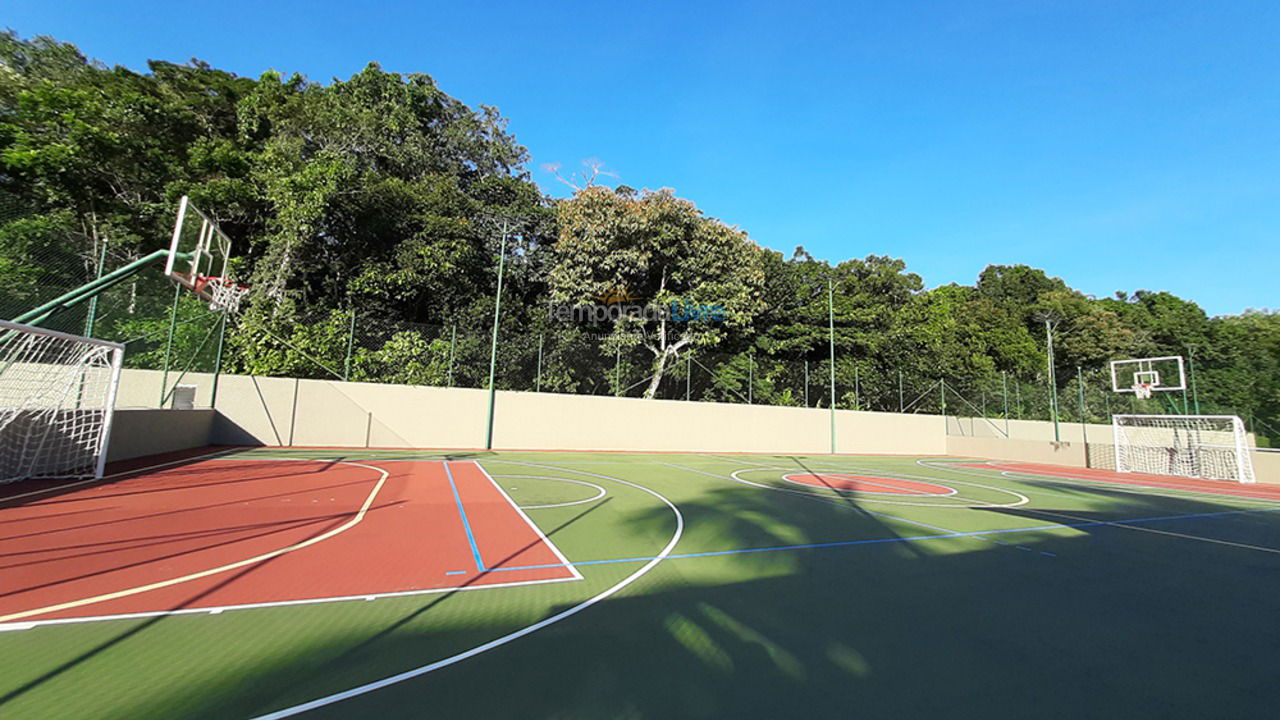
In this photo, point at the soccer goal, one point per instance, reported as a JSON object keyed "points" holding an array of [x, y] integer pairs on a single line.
{"points": [[57, 394], [1214, 447]]}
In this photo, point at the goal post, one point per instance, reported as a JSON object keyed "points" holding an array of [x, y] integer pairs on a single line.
{"points": [[57, 399], [1213, 447]]}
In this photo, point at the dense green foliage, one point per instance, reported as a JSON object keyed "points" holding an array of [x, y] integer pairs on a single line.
{"points": [[381, 202]]}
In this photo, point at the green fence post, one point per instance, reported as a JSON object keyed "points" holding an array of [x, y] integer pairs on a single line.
{"points": [[1084, 430], [1191, 367], [168, 346], [688, 376], [493, 341], [217, 363], [901, 406], [453, 342], [1053, 382], [351, 339], [93, 303], [857, 404], [537, 381], [1004, 392], [806, 383], [751, 371], [831, 346]]}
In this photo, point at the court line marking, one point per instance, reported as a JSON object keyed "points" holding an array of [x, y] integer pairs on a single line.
{"points": [[466, 524], [1132, 489], [597, 496], [498, 642], [1185, 536], [920, 538], [967, 503], [115, 595], [123, 473], [848, 476], [216, 610], [537, 530]]}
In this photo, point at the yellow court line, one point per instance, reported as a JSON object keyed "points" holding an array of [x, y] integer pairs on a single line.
{"points": [[212, 571], [1170, 533]]}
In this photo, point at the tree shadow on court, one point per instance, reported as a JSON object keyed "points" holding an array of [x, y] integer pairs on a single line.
{"points": [[1097, 621], [145, 625]]}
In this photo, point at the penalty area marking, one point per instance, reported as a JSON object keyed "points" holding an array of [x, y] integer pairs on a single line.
{"points": [[359, 516], [600, 492], [498, 642], [849, 482], [1021, 499]]}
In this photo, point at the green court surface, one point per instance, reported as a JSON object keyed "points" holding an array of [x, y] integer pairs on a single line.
{"points": [[735, 586]]}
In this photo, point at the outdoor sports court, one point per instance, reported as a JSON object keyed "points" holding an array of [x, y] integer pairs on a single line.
{"points": [[331, 583]]}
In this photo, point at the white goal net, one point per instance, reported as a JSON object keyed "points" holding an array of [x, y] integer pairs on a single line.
{"points": [[57, 393], [1201, 446]]}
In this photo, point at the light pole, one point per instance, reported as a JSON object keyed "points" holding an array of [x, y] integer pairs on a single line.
{"points": [[1050, 322]]}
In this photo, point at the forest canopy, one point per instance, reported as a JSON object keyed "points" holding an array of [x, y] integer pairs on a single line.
{"points": [[369, 214]]}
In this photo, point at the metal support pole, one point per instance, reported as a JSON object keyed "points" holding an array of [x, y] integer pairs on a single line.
{"points": [[806, 383], [751, 371], [1004, 391], [831, 345], [217, 363], [453, 343], [1053, 382], [493, 340], [1084, 430], [537, 383], [688, 377], [901, 406], [617, 371], [942, 392], [93, 303], [168, 346], [351, 339], [857, 404], [1191, 367]]}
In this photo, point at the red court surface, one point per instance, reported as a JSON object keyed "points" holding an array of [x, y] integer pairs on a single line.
{"points": [[868, 484], [1216, 487], [255, 531]]}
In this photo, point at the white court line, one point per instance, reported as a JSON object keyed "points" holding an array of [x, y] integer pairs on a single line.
{"points": [[597, 496], [1132, 489], [1022, 499], [216, 610], [535, 528], [123, 473], [127, 592], [847, 476], [498, 642]]}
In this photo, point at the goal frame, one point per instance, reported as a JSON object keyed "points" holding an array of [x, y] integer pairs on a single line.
{"points": [[113, 386], [1244, 463]]}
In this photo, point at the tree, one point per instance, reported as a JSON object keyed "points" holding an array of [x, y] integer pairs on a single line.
{"points": [[661, 249]]}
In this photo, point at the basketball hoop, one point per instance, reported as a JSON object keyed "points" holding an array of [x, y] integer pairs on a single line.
{"points": [[1142, 390], [225, 294]]}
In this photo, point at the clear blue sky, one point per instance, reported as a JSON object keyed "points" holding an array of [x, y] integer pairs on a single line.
{"points": [[1119, 145]]}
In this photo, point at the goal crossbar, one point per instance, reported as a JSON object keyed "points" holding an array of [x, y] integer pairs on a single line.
{"points": [[57, 398], [1213, 447]]}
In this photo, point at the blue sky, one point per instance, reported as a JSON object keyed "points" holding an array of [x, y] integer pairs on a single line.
{"points": [[1119, 145]]}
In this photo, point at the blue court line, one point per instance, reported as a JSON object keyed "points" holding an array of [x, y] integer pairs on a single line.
{"points": [[914, 538], [456, 572], [466, 524]]}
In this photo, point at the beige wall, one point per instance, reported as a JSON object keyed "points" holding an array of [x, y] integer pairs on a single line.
{"points": [[1040, 451], [141, 432], [285, 411]]}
